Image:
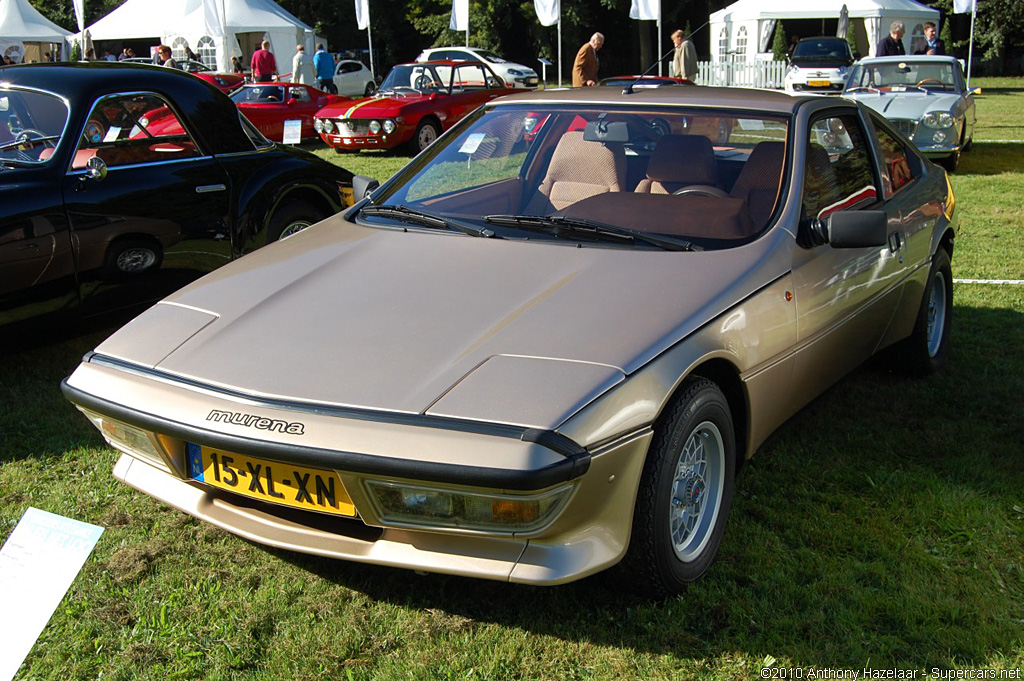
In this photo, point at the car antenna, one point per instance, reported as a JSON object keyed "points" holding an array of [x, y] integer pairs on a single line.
{"points": [[628, 90]]}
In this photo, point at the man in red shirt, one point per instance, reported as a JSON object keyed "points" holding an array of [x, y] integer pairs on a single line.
{"points": [[264, 66]]}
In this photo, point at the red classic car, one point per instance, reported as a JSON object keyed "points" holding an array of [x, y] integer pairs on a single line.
{"points": [[415, 104], [269, 105]]}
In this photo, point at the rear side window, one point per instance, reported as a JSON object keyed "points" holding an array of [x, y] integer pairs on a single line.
{"points": [[131, 129], [896, 170]]}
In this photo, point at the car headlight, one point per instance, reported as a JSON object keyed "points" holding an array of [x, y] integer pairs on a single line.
{"points": [[318, 125], [328, 126], [939, 137], [389, 126], [126, 438], [414, 504], [937, 119], [842, 70], [374, 127], [793, 70], [529, 122], [516, 72]]}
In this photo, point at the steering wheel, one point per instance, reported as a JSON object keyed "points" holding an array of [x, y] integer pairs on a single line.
{"points": [[929, 80], [425, 83], [701, 190], [28, 136]]}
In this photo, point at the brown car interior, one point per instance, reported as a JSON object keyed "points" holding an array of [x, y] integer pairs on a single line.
{"points": [[680, 188]]}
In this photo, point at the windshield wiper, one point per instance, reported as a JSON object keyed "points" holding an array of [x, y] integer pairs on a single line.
{"points": [[418, 217], [576, 228], [18, 163]]}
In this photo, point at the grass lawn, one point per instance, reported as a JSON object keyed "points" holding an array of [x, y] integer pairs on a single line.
{"points": [[881, 527]]}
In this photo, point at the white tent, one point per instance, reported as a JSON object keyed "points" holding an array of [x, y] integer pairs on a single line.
{"points": [[746, 27], [216, 30], [25, 33]]}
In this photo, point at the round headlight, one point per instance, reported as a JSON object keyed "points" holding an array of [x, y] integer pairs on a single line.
{"points": [[930, 120], [939, 137], [389, 126], [318, 125], [529, 122], [328, 125], [374, 127], [944, 120]]}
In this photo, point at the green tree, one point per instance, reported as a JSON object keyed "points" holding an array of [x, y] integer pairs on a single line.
{"points": [[779, 44]]}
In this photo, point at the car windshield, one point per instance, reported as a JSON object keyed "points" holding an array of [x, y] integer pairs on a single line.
{"points": [[903, 76], [31, 125], [708, 176], [822, 51], [487, 55], [416, 78], [261, 94]]}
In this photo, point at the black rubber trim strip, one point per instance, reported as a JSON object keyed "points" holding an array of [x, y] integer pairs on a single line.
{"points": [[552, 440], [569, 468]]}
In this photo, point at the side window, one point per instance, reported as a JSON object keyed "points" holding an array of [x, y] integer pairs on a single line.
{"points": [[300, 94], [348, 67], [469, 77], [896, 171], [133, 128], [837, 172]]}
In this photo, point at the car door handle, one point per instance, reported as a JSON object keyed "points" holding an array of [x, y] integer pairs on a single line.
{"points": [[209, 188], [895, 242], [29, 247]]}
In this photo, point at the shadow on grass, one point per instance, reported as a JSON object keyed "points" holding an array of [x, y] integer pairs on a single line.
{"points": [[992, 158], [876, 525]]}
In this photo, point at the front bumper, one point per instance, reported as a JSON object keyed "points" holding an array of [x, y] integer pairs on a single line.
{"points": [[589, 534], [357, 142]]}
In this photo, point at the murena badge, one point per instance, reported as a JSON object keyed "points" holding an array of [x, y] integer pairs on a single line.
{"points": [[258, 422]]}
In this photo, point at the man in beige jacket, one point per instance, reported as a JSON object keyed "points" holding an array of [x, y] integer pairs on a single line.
{"points": [[584, 69], [684, 63]]}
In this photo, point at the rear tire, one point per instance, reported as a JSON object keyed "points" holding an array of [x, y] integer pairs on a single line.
{"points": [[290, 219], [925, 351], [685, 492], [371, 87]]}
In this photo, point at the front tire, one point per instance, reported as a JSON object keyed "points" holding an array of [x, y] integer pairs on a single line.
{"points": [[925, 351], [371, 87], [685, 492], [290, 219], [426, 132]]}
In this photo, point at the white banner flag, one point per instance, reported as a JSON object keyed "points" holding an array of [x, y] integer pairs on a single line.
{"points": [[460, 15], [362, 14], [79, 13], [963, 6], [645, 9], [548, 11]]}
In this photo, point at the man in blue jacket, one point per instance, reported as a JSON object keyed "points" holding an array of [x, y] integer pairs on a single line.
{"points": [[323, 64]]}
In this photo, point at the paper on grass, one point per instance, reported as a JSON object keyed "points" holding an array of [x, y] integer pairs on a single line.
{"points": [[38, 563]]}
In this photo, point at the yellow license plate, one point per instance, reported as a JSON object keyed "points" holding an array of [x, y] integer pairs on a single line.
{"points": [[819, 83], [312, 489]]}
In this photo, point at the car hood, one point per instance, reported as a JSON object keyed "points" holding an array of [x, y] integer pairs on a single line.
{"points": [[372, 107], [907, 105], [438, 323]]}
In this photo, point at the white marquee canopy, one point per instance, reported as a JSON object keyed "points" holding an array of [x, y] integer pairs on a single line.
{"points": [[215, 29], [746, 27], [24, 31]]}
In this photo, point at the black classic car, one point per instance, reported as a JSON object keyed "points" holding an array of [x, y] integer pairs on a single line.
{"points": [[121, 183]]}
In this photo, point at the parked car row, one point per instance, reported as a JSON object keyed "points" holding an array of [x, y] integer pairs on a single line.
{"points": [[925, 97]]}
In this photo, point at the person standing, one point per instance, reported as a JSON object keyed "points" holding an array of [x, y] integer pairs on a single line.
{"points": [[933, 44], [263, 65], [684, 63], [892, 44], [165, 58], [302, 66], [584, 69], [323, 65]]}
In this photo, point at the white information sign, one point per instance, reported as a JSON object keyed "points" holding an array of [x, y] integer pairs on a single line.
{"points": [[292, 132], [472, 143], [38, 563]]}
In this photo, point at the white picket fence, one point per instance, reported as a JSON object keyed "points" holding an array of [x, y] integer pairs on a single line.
{"points": [[762, 74]]}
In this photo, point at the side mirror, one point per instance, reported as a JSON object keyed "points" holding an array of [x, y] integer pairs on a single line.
{"points": [[363, 186], [95, 168], [857, 229], [291, 101]]}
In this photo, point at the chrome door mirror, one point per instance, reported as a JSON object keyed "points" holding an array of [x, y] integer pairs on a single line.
{"points": [[95, 168]]}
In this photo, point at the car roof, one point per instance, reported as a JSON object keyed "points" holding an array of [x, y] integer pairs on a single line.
{"points": [[769, 101], [822, 37], [445, 62]]}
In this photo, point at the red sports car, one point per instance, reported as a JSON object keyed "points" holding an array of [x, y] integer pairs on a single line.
{"points": [[415, 104], [269, 105]]}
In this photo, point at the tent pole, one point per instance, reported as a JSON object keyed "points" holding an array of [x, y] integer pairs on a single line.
{"points": [[970, 49], [659, 38], [559, 44]]}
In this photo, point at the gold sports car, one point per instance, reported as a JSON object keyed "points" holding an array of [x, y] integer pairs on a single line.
{"points": [[539, 351]]}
